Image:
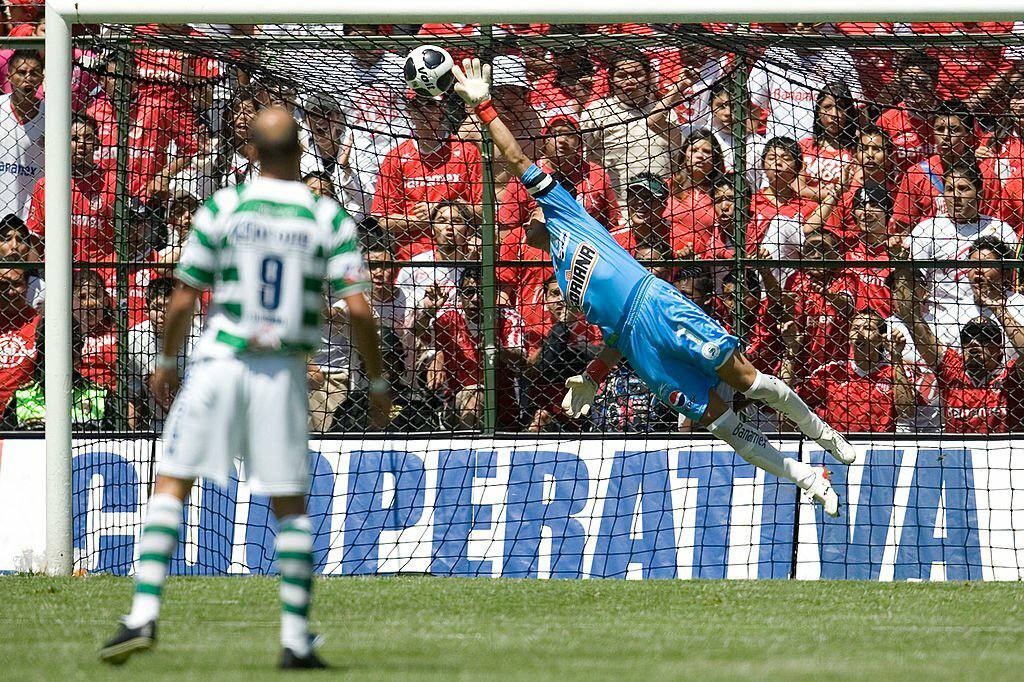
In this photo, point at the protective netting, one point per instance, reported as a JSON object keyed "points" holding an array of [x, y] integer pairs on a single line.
{"points": [[846, 198]]}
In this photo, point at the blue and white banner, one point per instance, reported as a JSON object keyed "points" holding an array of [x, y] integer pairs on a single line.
{"points": [[624, 508]]}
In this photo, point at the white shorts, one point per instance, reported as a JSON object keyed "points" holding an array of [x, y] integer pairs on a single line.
{"points": [[253, 407]]}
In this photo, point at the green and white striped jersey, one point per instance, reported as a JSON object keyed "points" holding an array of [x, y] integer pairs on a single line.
{"points": [[265, 248]]}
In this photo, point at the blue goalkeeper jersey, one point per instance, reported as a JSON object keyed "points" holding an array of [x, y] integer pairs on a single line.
{"points": [[595, 273]]}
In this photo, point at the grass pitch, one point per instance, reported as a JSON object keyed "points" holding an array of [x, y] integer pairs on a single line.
{"points": [[442, 628]]}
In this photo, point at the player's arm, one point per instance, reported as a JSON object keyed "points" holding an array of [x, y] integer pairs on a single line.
{"points": [[583, 387], [474, 87], [367, 342], [177, 323]]}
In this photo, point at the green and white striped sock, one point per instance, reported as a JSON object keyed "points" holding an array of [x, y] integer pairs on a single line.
{"points": [[295, 561], [159, 537]]}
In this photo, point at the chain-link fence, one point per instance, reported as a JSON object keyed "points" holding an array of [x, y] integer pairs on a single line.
{"points": [[846, 198]]}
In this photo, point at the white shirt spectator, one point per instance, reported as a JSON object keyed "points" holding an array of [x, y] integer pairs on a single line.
{"points": [[144, 344], [618, 138], [373, 101], [416, 280], [784, 238], [21, 158], [950, 302], [349, 191], [786, 84], [927, 417]]}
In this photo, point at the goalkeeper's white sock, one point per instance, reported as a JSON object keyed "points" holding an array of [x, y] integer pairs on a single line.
{"points": [[777, 395], [159, 538], [295, 561], [753, 446]]}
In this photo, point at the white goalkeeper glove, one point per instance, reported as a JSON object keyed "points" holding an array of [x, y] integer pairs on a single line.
{"points": [[473, 81], [580, 396]]}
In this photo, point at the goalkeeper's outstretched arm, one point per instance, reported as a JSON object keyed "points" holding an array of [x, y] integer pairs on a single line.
{"points": [[473, 85]]}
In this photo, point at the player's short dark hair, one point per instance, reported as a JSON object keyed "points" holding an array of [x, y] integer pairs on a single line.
{"points": [[982, 330], [967, 169], [159, 287], [24, 55], [994, 244], [954, 108], [788, 145], [917, 59]]}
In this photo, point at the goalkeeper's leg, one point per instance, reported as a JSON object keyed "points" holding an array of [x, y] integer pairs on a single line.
{"points": [[776, 394], [753, 446], [156, 547]]}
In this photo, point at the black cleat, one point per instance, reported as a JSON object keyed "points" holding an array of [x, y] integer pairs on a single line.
{"points": [[292, 661], [128, 641]]}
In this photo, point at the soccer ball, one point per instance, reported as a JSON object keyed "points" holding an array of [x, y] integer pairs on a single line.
{"points": [[428, 70]]}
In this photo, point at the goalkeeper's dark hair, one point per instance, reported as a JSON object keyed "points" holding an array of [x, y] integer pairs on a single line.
{"points": [[722, 86]]}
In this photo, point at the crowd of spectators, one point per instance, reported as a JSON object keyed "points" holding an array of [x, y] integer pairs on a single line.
{"points": [[900, 170]]}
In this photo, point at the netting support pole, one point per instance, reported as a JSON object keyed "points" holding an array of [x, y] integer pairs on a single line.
{"points": [[740, 105], [122, 109], [57, 269], [489, 283]]}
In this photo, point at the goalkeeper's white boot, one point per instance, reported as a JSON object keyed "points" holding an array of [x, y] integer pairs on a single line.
{"points": [[820, 491], [837, 445]]}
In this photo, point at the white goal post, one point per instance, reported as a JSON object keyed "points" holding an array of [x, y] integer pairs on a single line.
{"points": [[62, 15]]}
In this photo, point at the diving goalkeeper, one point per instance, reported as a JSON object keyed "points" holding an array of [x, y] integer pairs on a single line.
{"points": [[675, 348]]}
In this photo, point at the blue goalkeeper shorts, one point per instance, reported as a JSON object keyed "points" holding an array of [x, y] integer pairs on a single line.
{"points": [[674, 346]]}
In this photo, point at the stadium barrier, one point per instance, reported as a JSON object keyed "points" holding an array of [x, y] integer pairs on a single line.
{"points": [[616, 508]]}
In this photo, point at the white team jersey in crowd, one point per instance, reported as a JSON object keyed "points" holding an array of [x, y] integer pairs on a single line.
{"points": [[950, 302], [265, 248], [786, 83], [21, 158]]}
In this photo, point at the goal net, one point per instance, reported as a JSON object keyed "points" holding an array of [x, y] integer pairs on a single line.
{"points": [[846, 198]]}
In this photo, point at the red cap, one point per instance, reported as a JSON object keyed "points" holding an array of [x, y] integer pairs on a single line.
{"points": [[561, 119]]}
